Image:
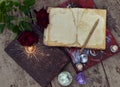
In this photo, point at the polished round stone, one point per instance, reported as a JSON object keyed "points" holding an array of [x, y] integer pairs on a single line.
{"points": [[79, 66], [65, 78], [83, 58], [114, 48]]}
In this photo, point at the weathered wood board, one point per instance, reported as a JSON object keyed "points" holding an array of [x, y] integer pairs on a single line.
{"points": [[106, 74]]}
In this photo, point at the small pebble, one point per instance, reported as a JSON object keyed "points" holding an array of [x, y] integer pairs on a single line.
{"points": [[79, 66], [114, 48], [84, 58]]}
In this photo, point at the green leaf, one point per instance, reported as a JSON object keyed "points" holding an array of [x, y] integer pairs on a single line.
{"points": [[9, 18], [6, 6], [10, 26], [2, 17], [16, 3], [25, 25], [29, 3], [2, 28], [9, 5], [13, 28], [3, 7], [16, 29], [24, 9], [1, 1]]}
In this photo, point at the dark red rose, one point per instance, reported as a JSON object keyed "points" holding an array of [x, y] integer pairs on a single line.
{"points": [[28, 38], [42, 18]]}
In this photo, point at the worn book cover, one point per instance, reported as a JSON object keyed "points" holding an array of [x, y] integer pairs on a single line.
{"points": [[43, 65]]}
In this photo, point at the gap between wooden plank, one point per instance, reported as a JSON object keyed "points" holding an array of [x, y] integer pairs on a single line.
{"points": [[105, 73]]}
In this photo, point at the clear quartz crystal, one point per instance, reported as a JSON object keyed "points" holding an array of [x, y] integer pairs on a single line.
{"points": [[64, 78]]}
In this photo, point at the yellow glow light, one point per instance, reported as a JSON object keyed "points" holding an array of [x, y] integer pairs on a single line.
{"points": [[30, 49]]}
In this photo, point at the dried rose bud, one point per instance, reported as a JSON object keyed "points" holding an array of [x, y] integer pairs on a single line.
{"points": [[28, 38], [42, 18]]}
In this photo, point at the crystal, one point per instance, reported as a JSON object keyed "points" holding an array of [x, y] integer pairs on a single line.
{"points": [[65, 78], [83, 58], [80, 78]]}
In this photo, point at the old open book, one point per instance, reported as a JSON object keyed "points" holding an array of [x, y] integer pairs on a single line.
{"points": [[69, 27]]}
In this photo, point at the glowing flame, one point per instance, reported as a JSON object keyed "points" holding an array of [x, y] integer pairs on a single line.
{"points": [[30, 49]]}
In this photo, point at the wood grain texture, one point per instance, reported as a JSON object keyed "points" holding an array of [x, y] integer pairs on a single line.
{"points": [[112, 65], [12, 75], [113, 17]]}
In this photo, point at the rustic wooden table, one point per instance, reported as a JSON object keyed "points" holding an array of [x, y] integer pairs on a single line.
{"points": [[104, 74]]}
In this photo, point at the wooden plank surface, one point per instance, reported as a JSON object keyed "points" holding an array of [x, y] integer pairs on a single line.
{"points": [[106, 74], [112, 65], [95, 77]]}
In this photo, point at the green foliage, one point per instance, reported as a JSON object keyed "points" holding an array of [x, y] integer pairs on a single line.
{"points": [[28, 3], [24, 9], [24, 26], [2, 28], [6, 19]]}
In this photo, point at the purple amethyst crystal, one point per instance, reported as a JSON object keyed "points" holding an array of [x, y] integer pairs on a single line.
{"points": [[80, 78]]}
